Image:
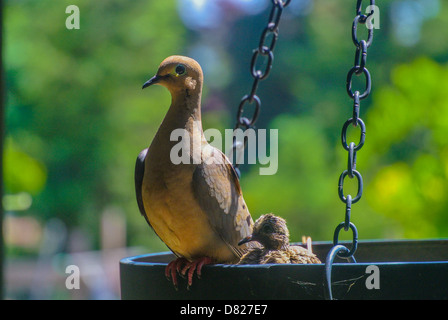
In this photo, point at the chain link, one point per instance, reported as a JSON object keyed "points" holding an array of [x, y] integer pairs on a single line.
{"points": [[265, 50], [358, 69]]}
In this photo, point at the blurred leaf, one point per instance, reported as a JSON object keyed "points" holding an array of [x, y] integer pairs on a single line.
{"points": [[22, 173]]}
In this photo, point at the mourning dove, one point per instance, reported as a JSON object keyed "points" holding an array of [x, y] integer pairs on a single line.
{"points": [[271, 231], [196, 208]]}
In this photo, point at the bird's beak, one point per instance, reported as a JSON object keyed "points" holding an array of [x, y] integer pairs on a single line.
{"points": [[245, 240], [151, 81]]}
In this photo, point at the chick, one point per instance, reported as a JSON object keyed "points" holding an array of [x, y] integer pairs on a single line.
{"points": [[273, 234]]}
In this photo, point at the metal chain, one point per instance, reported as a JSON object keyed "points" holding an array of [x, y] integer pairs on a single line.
{"points": [[265, 49], [358, 69]]}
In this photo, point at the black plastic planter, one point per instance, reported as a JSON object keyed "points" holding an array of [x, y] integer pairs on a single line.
{"points": [[411, 269]]}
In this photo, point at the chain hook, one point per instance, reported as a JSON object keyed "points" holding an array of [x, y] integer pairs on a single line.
{"points": [[358, 69]]}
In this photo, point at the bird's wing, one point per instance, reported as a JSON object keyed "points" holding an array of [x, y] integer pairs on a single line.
{"points": [[218, 192], [275, 256], [253, 256], [299, 254], [138, 179]]}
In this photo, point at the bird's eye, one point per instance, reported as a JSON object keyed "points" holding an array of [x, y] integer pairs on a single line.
{"points": [[180, 69]]}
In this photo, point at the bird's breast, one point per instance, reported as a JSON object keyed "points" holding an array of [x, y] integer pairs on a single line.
{"points": [[176, 216], [167, 191]]}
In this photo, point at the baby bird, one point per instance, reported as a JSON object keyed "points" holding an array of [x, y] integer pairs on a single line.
{"points": [[271, 231]]}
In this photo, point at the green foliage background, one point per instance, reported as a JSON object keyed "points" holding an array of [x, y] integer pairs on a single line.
{"points": [[77, 118]]}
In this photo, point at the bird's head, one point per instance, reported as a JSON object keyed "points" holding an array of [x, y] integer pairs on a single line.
{"points": [[179, 75], [271, 231]]}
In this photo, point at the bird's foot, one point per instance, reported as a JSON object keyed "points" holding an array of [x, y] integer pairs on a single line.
{"points": [[173, 267], [197, 265], [186, 268]]}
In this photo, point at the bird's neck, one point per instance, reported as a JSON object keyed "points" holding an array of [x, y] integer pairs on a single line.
{"points": [[181, 127], [184, 113], [186, 105]]}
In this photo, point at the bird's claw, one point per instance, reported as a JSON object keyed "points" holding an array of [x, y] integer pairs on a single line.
{"points": [[171, 270], [181, 266]]}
